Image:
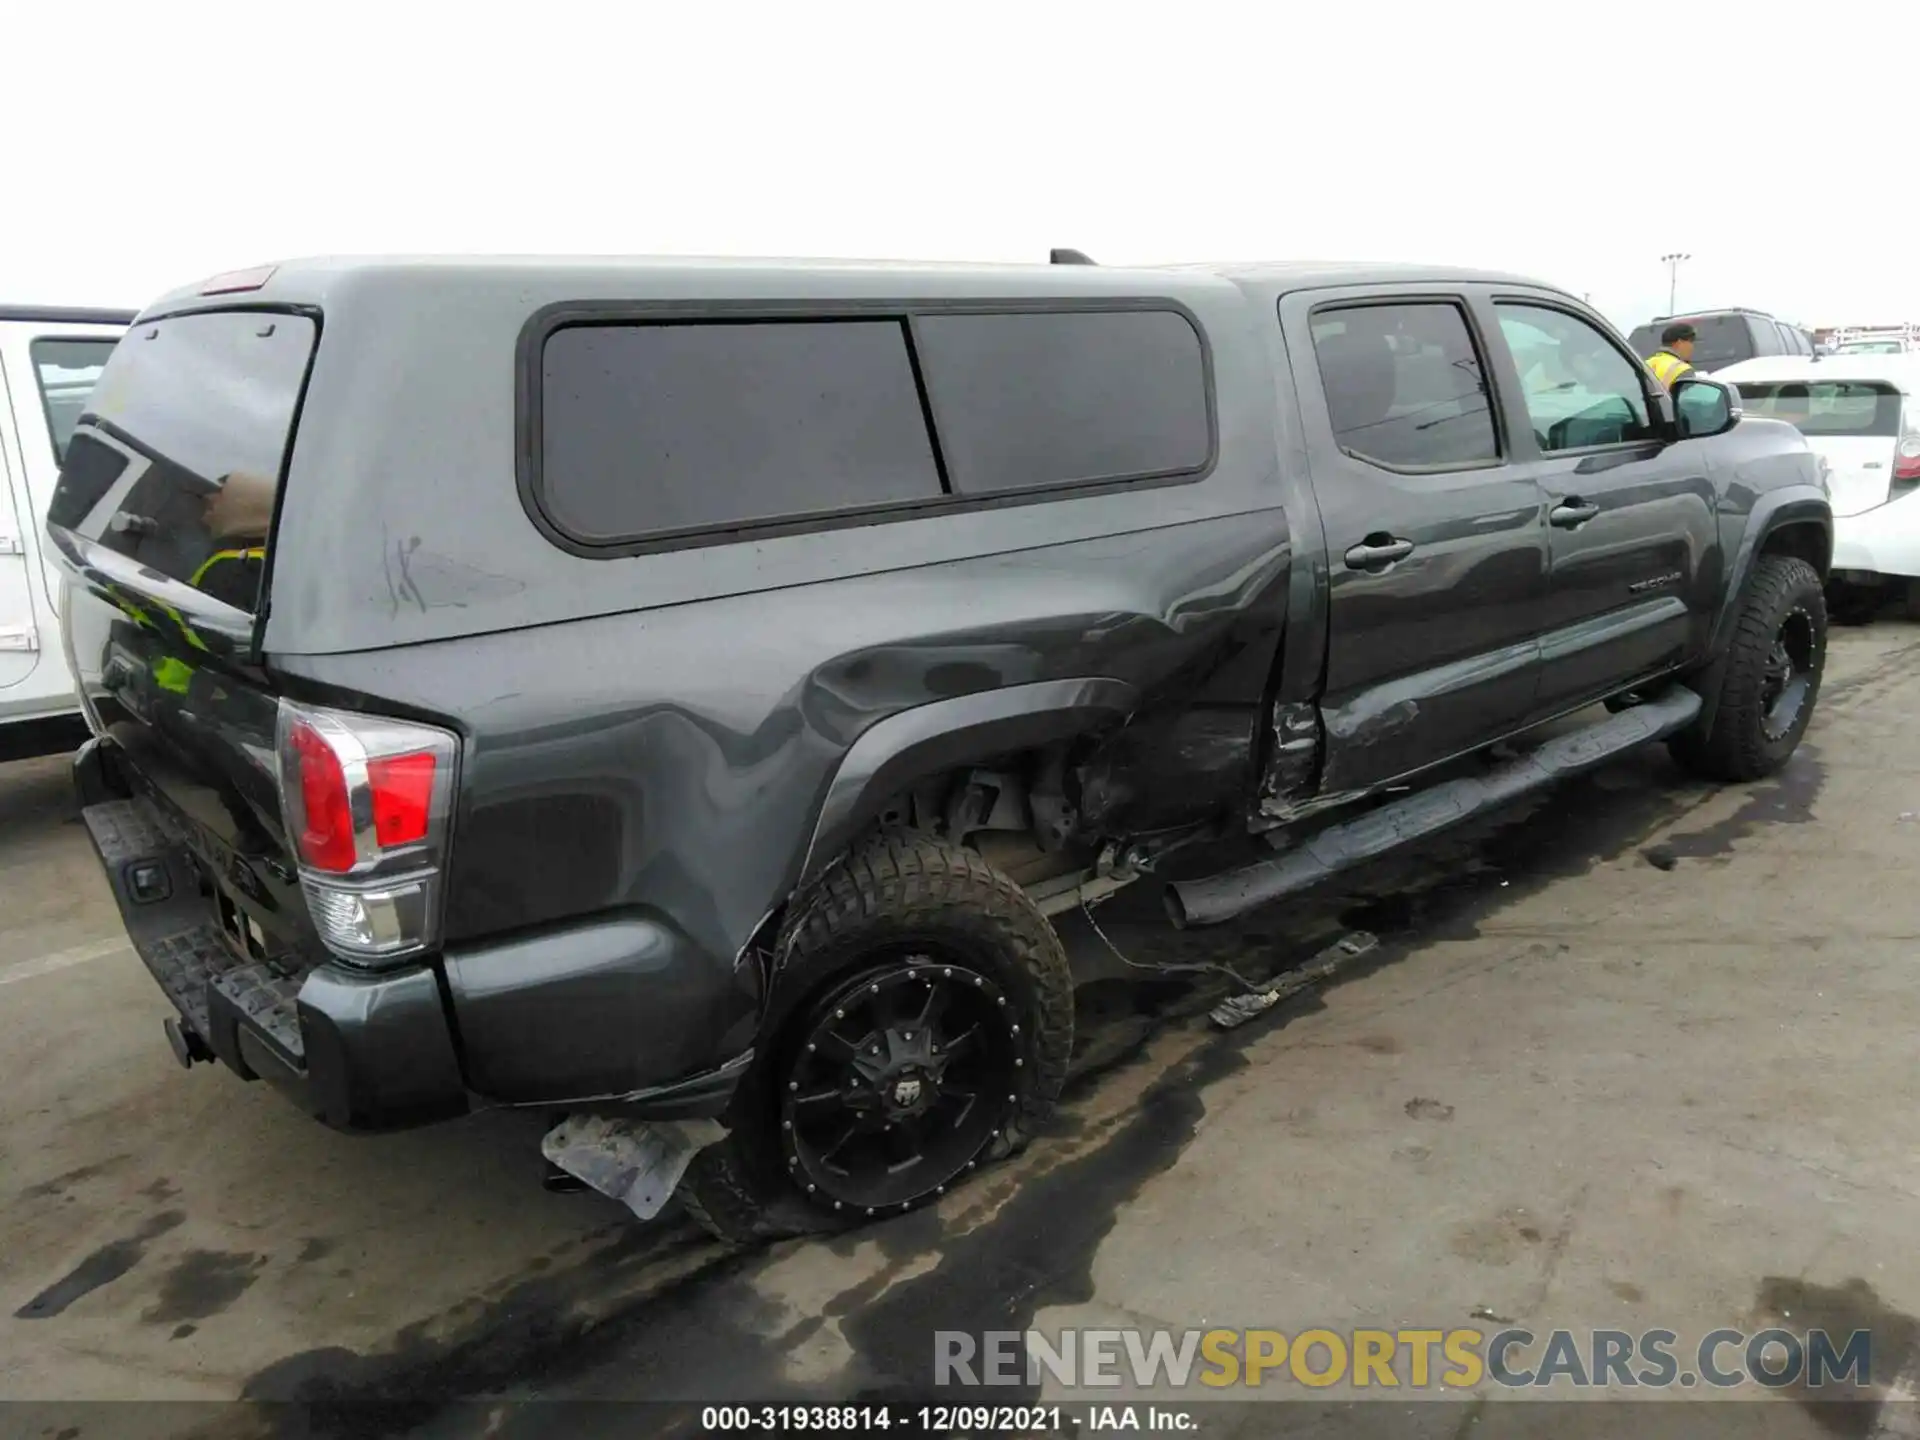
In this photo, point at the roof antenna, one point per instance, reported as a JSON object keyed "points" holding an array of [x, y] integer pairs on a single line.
{"points": [[1068, 257]]}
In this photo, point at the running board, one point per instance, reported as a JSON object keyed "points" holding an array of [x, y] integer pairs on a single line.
{"points": [[1216, 898]]}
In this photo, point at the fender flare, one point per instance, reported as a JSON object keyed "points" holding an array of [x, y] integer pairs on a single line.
{"points": [[912, 744], [1773, 511]]}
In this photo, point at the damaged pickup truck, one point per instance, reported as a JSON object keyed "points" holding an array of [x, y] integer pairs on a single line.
{"points": [[681, 692]]}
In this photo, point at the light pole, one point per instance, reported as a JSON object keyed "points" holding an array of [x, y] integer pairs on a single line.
{"points": [[1672, 262]]}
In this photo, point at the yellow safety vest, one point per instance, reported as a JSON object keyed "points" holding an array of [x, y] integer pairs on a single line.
{"points": [[140, 616], [1667, 367], [252, 552]]}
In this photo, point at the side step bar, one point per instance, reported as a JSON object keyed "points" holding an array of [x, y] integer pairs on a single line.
{"points": [[1216, 898]]}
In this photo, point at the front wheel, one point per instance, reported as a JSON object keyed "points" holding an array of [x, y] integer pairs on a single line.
{"points": [[922, 1025], [1771, 678]]}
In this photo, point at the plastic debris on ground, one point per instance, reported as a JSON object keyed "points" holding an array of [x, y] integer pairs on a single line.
{"points": [[1238, 1009], [636, 1162]]}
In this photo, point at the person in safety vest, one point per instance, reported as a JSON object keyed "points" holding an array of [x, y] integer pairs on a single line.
{"points": [[1674, 358], [237, 517]]}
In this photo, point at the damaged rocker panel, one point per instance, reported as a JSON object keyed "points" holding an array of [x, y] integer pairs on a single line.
{"points": [[1293, 772]]}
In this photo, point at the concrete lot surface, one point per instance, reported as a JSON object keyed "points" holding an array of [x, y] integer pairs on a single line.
{"points": [[1638, 1055]]}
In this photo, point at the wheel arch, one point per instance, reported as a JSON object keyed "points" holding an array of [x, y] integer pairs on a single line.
{"points": [[1796, 520], [929, 740], [1806, 538]]}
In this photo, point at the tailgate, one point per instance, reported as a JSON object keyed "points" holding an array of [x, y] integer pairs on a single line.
{"points": [[161, 522], [1862, 470]]}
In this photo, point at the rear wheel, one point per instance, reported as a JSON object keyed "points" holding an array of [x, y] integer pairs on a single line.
{"points": [[921, 1027], [1771, 678]]}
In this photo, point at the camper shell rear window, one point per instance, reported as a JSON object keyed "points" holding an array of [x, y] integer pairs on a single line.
{"points": [[177, 462]]}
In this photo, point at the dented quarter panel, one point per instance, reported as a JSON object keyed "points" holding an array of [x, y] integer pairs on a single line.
{"points": [[625, 766]]}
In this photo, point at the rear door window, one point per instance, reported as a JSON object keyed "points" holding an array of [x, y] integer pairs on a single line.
{"points": [[1405, 385], [177, 462]]}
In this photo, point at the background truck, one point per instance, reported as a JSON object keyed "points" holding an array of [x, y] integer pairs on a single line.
{"points": [[49, 361], [684, 690]]}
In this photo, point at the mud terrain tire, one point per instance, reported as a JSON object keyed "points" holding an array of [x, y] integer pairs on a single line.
{"points": [[1779, 650], [888, 897]]}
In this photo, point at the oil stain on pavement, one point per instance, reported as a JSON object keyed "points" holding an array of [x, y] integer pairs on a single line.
{"points": [[201, 1284], [102, 1267]]}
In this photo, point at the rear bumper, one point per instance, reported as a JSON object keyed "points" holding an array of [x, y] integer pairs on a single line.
{"points": [[373, 1052], [357, 1052], [1881, 541]]}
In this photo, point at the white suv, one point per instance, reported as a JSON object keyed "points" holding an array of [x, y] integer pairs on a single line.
{"points": [[1861, 414]]}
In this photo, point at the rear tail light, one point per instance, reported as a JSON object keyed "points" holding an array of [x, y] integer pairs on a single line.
{"points": [[1906, 460], [368, 804], [1906, 453]]}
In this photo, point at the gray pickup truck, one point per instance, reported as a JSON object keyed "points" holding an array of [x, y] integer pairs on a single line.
{"points": [[685, 690]]}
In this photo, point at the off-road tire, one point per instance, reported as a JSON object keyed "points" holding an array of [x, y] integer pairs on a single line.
{"points": [[886, 892], [1738, 748]]}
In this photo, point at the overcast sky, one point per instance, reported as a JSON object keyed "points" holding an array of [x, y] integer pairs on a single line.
{"points": [[154, 144]]}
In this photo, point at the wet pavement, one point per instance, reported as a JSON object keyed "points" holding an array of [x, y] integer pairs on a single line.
{"points": [[1635, 1054]]}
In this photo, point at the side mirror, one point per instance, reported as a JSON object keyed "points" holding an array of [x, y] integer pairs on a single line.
{"points": [[1704, 407]]}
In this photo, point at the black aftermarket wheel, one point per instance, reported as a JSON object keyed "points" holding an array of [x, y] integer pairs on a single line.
{"points": [[1771, 678], [922, 1023], [904, 1077]]}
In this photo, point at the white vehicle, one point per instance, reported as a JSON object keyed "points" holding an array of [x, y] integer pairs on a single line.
{"points": [[1861, 413], [1899, 340], [49, 361]]}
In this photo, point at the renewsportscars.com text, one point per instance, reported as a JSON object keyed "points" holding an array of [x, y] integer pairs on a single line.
{"points": [[1404, 1358]]}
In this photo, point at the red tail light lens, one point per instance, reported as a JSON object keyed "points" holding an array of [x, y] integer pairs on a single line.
{"points": [[326, 809], [402, 798], [1906, 460]]}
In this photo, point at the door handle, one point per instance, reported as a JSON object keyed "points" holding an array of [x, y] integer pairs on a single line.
{"points": [[1375, 552], [1572, 512]]}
